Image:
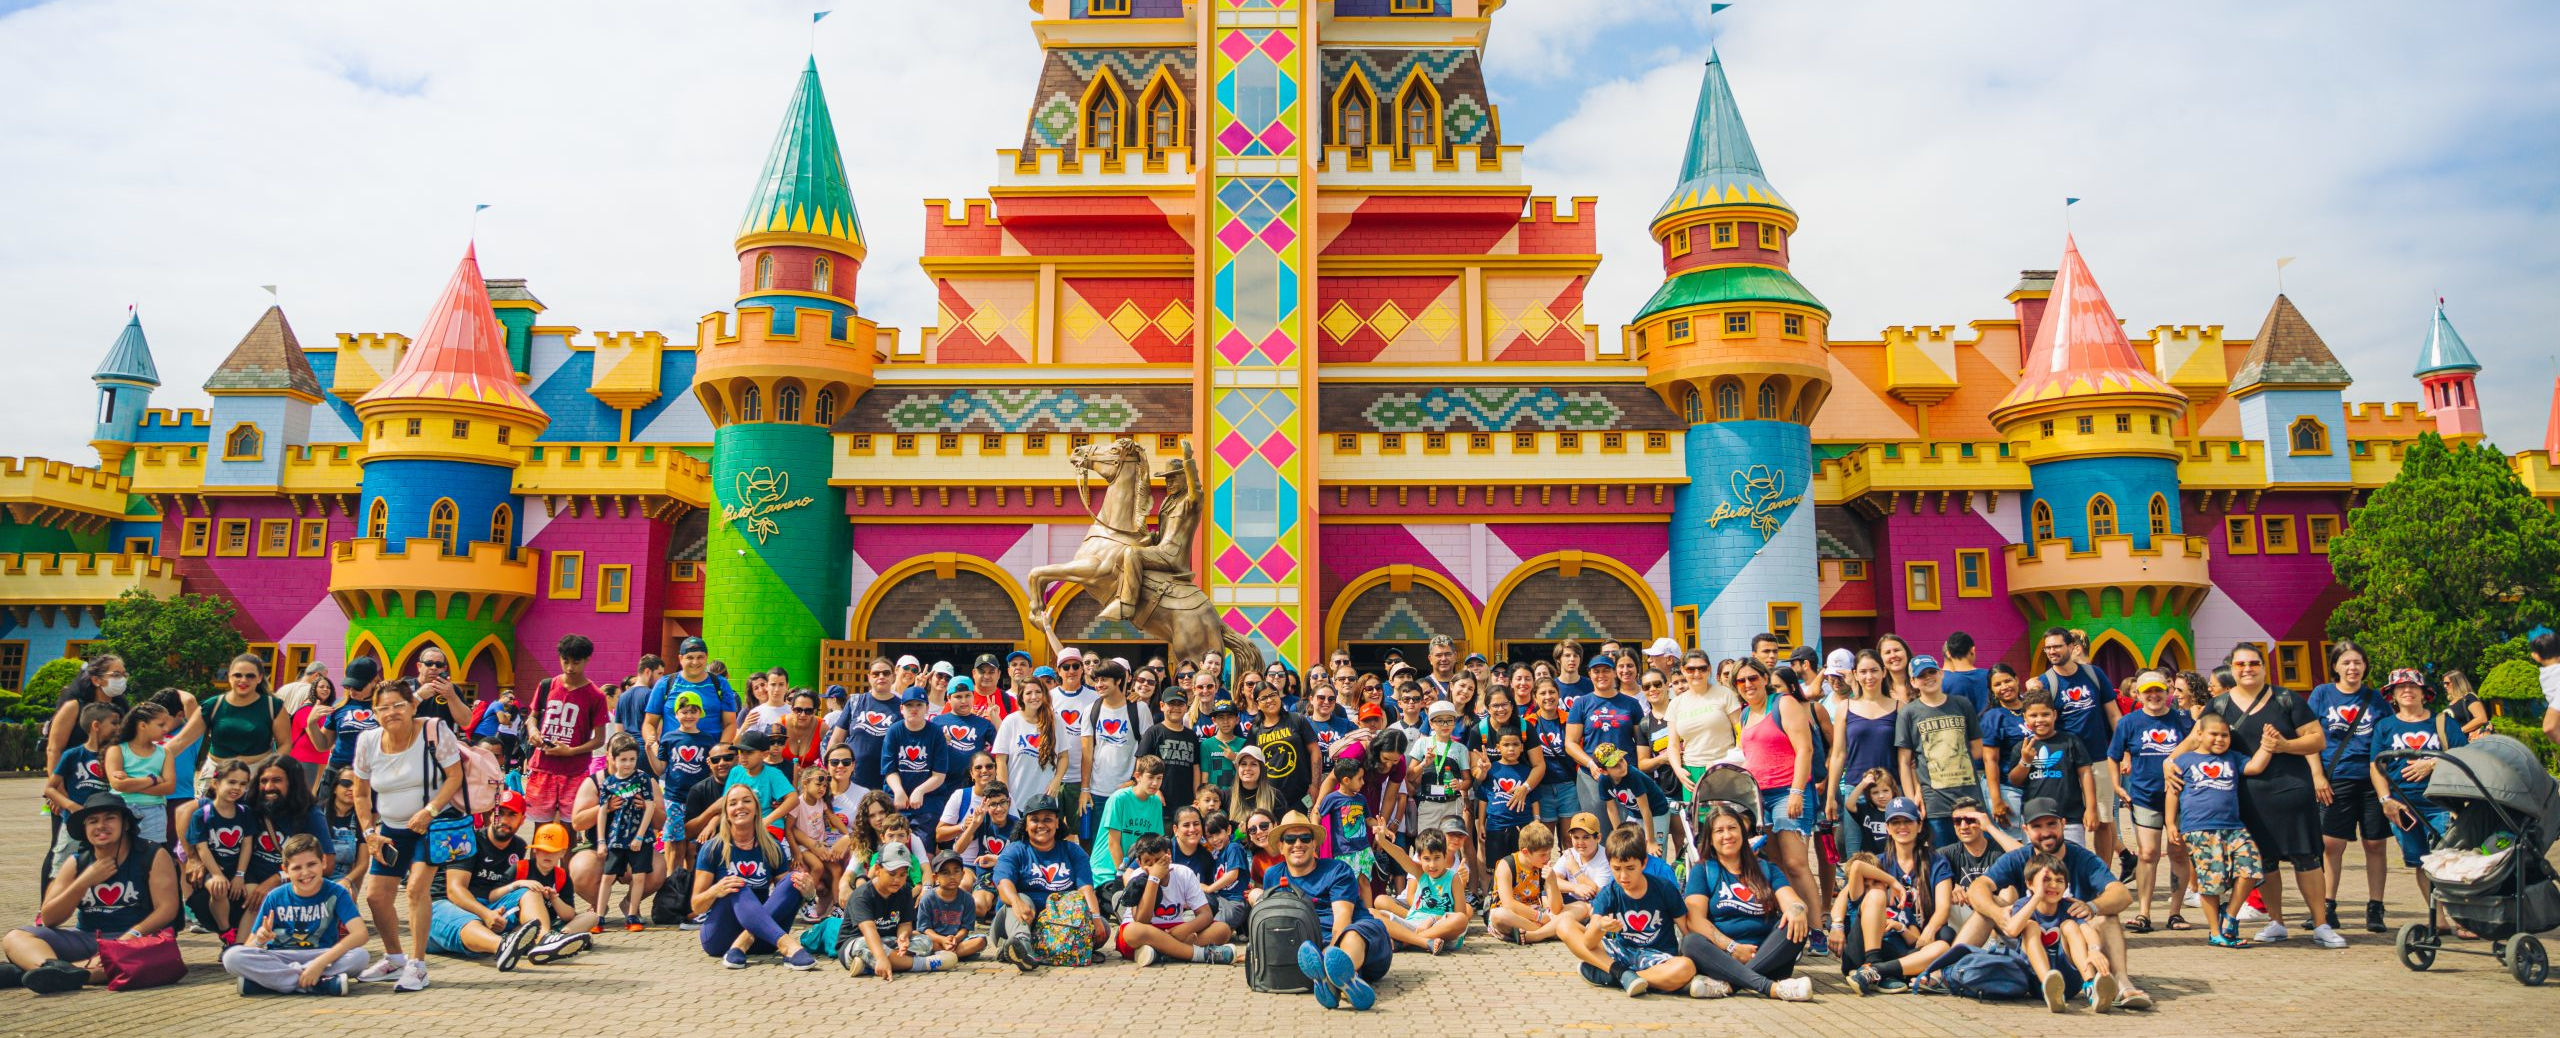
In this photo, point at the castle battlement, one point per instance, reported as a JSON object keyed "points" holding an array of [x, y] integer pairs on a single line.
{"points": [[1381, 166], [188, 418], [1051, 167], [82, 579], [615, 470]]}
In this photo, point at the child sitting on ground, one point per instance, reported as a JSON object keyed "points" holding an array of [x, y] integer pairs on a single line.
{"points": [[1169, 917], [878, 929], [1431, 915], [1633, 940], [308, 937], [2063, 947], [1525, 905], [947, 912]]}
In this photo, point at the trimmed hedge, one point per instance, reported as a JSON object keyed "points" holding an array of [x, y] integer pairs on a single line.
{"points": [[2530, 735], [21, 747]]}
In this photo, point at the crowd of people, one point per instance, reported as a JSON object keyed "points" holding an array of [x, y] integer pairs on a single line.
{"points": [[1677, 823]]}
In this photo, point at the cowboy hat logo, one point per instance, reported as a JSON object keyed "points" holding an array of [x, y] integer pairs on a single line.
{"points": [[1760, 498], [760, 492]]}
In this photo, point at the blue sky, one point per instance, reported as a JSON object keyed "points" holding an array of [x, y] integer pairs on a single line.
{"points": [[179, 156]]}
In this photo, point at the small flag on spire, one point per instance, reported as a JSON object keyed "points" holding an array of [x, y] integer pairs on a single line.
{"points": [[481, 206], [1714, 8], [819, 16], [2068, 202]]}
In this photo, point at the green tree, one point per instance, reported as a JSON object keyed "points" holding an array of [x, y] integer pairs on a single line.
{"points": [[2451, 557], [182, 641]]}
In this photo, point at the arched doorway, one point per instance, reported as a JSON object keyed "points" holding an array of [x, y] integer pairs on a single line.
{"points": [[1077, 616], [1397, 609], [942, 608], [2171, 654], [2114, 656], [1570, 594]]}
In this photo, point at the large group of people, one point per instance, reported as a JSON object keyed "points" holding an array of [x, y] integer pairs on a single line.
{"points": [[1676, 822]]}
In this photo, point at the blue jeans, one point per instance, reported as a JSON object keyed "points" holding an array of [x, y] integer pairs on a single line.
{"points": [[2415, 840], [446, 921]]}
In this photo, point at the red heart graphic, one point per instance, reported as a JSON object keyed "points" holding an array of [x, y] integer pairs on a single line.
{"points": [[1639, 921], [227, 839], [1071, 716], [1738, 893], [995, 846], [108, 893], [2414, 740], [2348, 714]]}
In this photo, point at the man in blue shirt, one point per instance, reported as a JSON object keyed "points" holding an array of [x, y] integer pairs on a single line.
{"points": [[719, 702], [1964, 680], [2102, 897], [631, 704], [1355, 952], [1605, 716], [2087, 703]]}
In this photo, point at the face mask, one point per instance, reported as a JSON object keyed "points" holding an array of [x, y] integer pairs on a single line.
{"points": [[115, 685]]}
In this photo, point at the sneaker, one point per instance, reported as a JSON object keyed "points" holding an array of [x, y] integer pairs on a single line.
{"points": [[413, 977], [2194, 900], [1633, 983], [1311, 963], [2252, 914], [196, 929], [937, 962], [1356, 992], [1817, 945], [849, 955], [693, 922], [2274, 932], [1221, 955], [10, 975], [385, 968], [1866, 980], [735, 959], [250, 987], [2328, 937], [1018, 951], [1928, 984], [560, 946], [332, 986], [511, 948], [54, 978], [2055, 998], [632, 924], [2373, 917], [1708, 987], [808, 914], [1792, 989], [2102, 993], [800, 960], [1520, 937], [1146, 956]]}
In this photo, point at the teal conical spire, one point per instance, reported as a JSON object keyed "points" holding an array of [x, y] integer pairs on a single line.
{"points": [[803, 189], [1721, 167], [129, 360], [2444, 350]]}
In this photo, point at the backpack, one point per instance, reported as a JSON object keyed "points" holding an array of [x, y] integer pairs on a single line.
{"points": [[1989, 974], [673, 903], [482, 775], [1281, 921]]}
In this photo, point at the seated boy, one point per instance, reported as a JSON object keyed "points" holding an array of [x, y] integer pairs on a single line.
{"points": [[2062, 949], [1633, 940], [947, 914], [1432, 915], [1168, 915], [1580, 869], [286, 952], [879, 921], [1526, 906]]}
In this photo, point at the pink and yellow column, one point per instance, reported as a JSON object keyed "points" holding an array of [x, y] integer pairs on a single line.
{"points": [[1256, 380]]}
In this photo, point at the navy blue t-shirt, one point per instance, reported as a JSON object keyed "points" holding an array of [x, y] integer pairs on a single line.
{"points": [[2147, 741], [866, 722], [1972, 686], [746, 863], [1730, 903], [2392, 733], [963, 738], [2209, 791], [1634, 788], [1651, 920], [83, 774], [1560, 765], [1607, 719], [914, 756], [2347, 719], [2083, 699], [1329, 881], [1908, 909], [1038, 874], [2088, 875], [1500, 780], [2003, 730]]}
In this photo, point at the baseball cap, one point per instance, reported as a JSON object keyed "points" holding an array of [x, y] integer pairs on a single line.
{"points": [[1923, 664], [1841, 660], [510, 800], [1475, 657], [988, 659], [963, 685], [1608, 756], [2402, 676], [1583, 822], [1663, 646], [1902, 809], [1250, 750], [691, 699], [1803, 654], [1223, 705], [945, 859], [912, 694], [1173, 693], [551, 838], [2147, 682], [894, 857], [2042, 808], [944, 668], [909, 662], [362, 671], [690, 646], [836, 692], [1070, 653], [1050, 673], [754, 742], [1017, 654], [1601, 662], [1441, 709], [1039, 802], [1370, 711]]}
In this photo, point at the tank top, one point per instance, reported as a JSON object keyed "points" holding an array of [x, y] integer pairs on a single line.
{"points": [[240, 731], [1432, 894], [123, 901], [148, 766], [1767, 751], [1869, 741], [1528, 882]]}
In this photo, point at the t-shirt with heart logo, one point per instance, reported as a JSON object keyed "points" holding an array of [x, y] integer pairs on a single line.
{"points": [[1644, 920]]}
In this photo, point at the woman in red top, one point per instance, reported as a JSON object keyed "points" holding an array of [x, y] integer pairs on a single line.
{"points": [[802, 742]]}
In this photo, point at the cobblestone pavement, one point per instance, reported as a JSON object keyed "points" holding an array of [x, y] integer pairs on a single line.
{"points": [[659, 982]]}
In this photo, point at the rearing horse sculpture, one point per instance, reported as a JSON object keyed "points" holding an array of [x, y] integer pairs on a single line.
{"points": [[1143, 577]]}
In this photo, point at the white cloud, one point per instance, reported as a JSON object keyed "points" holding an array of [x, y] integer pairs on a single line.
{"points": [[178, 156]]}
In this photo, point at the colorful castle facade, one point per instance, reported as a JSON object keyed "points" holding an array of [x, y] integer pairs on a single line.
{"points": [[1288, 236]]}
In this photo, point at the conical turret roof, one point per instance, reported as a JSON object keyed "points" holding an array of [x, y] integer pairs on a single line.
{"points": [[2080, 349], [2444, 350], [129, 360], [2289, 354], [1721, 167], [803, 189], [267, 360], [461, 355]]}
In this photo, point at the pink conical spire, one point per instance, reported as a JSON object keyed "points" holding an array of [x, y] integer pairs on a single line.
{"points": [[2080, 348], [461, 355], [2551, 432]]}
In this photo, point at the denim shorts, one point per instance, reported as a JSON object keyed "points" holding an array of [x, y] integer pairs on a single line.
{"points": [[2416, 840], [1558, 802], [1773, 807], [446, 921]]}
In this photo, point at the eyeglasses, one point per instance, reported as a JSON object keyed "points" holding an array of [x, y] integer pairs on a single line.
{"points": [[1071, 665], [1967, 820], [1294, 838]]}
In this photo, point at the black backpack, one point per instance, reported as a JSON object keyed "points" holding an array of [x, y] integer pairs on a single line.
{"points": [[673, 903], [1281, 921]]}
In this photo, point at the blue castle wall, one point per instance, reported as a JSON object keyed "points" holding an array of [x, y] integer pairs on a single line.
{"points": [[2069, 484], [412, 487], [1729, 571]]}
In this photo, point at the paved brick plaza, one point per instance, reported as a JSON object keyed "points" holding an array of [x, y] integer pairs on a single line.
{"points": [[660, 983]]}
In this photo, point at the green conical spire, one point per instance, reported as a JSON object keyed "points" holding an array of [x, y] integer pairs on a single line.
{"points": [[803, 188], [2444, 350], [1721, 166], [129, 360]]}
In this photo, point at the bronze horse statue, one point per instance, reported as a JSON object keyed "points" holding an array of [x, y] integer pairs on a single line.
{"points": [[1142, 576]]}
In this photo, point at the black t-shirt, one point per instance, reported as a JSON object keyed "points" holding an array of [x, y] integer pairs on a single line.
{"points": [[703, 794], [1967, 865], [491, 867], [2053, 772], [2287, 772], [869, 906], [1288, 756], [1179, 747]]}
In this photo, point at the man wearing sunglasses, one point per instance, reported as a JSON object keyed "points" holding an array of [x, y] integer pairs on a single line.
{"points": [[866, 721], [1355, 952], [701, 813], [435, 686]]}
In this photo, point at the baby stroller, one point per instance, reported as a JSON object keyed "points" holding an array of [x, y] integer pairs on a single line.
{"points": [[1722, 784], [2489, 871]]}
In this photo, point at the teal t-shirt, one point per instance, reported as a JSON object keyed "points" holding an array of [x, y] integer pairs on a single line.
{"points": [[1134, 816], [770, 786]]}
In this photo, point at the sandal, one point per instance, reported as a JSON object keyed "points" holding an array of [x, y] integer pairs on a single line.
{"points": [[2179, 922], [2223, 941], [2138, 924]]}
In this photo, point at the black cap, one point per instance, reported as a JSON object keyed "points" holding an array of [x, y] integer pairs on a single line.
{"points": [[943, 859], [754, 742], [2042, 808], [1039, 802], [1804, 654], [692, 645], [987, 660]]}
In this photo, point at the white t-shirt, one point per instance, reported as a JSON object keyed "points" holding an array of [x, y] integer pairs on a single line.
{"points": [[2551, 685], [1178, 897], [1569, 864], [1074, 715], [1115, 743], [400, 779], [1705, 726], [1018, 745], [767, 717]]}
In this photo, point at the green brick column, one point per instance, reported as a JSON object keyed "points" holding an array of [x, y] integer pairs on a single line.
{"points": [[780, 548]]}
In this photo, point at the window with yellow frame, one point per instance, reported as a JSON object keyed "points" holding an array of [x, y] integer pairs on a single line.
{"points": [[2293, 664], [684, 572], [1679, 329], [1737, 324], [1684, 625], [568, 574], [1973, 573], [1724, 236], [1920, 586], [311, 537], [1792, 326], [1769, 235], [2275, 535], [1680, 241], [275, 538], [243, 443], [296, 658], [2318, 531], [2308, 436], [2240, 534], [235, 538], [197, 538], [1106, 8], [613, 589], [137, 545], [1785, 619]]}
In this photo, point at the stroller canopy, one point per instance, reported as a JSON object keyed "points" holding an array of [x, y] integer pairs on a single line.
{"points": [[2505, 772]]}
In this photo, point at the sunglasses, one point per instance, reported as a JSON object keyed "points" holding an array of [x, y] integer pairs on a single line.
{"points": [[804, 710], [1070, 666], [1264, 827], [845, 763], [724, 758], [882, 673], [1295, 838], [346, 783]]}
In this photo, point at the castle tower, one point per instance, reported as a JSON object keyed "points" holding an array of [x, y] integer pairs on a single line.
{"points": [[796, 358], [262, 398], [2291, 392], [125, 380], [436, 559], [2104, 548], [1736, 345], [2446, 370]]}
